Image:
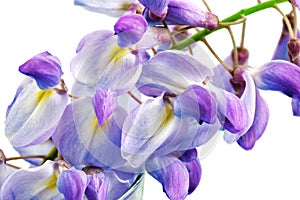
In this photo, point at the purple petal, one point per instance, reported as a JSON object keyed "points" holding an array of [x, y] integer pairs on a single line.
{"points": [[130, 29], [232, 112], [103, 105], [158, 7], [97, 187], [152, 37], [72, 184], [44, 68], [191, 161], [172, 174], [198, 103], [279, 75]]}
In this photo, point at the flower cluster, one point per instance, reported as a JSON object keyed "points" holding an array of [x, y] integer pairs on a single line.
{"points": [[137, 105]]}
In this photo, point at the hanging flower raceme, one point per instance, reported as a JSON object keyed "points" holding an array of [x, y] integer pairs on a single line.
{"points": [[178, 12], [38, 104]]}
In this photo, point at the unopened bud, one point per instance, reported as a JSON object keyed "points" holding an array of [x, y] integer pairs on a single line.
{"points": [[294, 51]]}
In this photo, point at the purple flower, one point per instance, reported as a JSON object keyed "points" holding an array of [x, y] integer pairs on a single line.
{"points": [[44, 69]]}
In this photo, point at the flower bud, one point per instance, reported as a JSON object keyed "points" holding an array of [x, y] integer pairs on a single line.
{"points": [[294, 51]]}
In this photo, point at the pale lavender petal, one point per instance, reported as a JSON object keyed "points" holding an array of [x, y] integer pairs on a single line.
{"points": [[279, 75], [196, 102], [114, 8], [72, 184], [191, 161], [172, 174], [130, 29], [33, 115], [33, 183], [79, 133], [152, 37], [44, 68], [94, 37], [68, 142], [185, 71], [97, 187]]}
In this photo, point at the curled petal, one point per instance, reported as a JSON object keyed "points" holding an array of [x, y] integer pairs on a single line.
{"points": [[33, 183], [156, 77], [259, 125], [33, 114], [232, 112], [198, 103], [130, 29], [72, 183], [172, 174], [97, 187], [245, 89], [44, 69], [279, 75], [112, 8]]}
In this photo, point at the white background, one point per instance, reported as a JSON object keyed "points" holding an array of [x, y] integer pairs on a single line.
{"points": [[269, 171]]}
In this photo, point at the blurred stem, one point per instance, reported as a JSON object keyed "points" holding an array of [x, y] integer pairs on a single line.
{"points": [[243, 35], [26, 157], [52, 155], [235, 51], [237, 16], [295, 20], [287, 22]]}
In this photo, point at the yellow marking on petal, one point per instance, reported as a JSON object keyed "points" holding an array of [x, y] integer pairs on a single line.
{"points": [[51, 183], [42, 95], [117, 53], [168, 115], [95, 125]]}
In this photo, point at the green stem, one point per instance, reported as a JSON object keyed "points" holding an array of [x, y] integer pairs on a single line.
{"points": [[239, 15]]}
